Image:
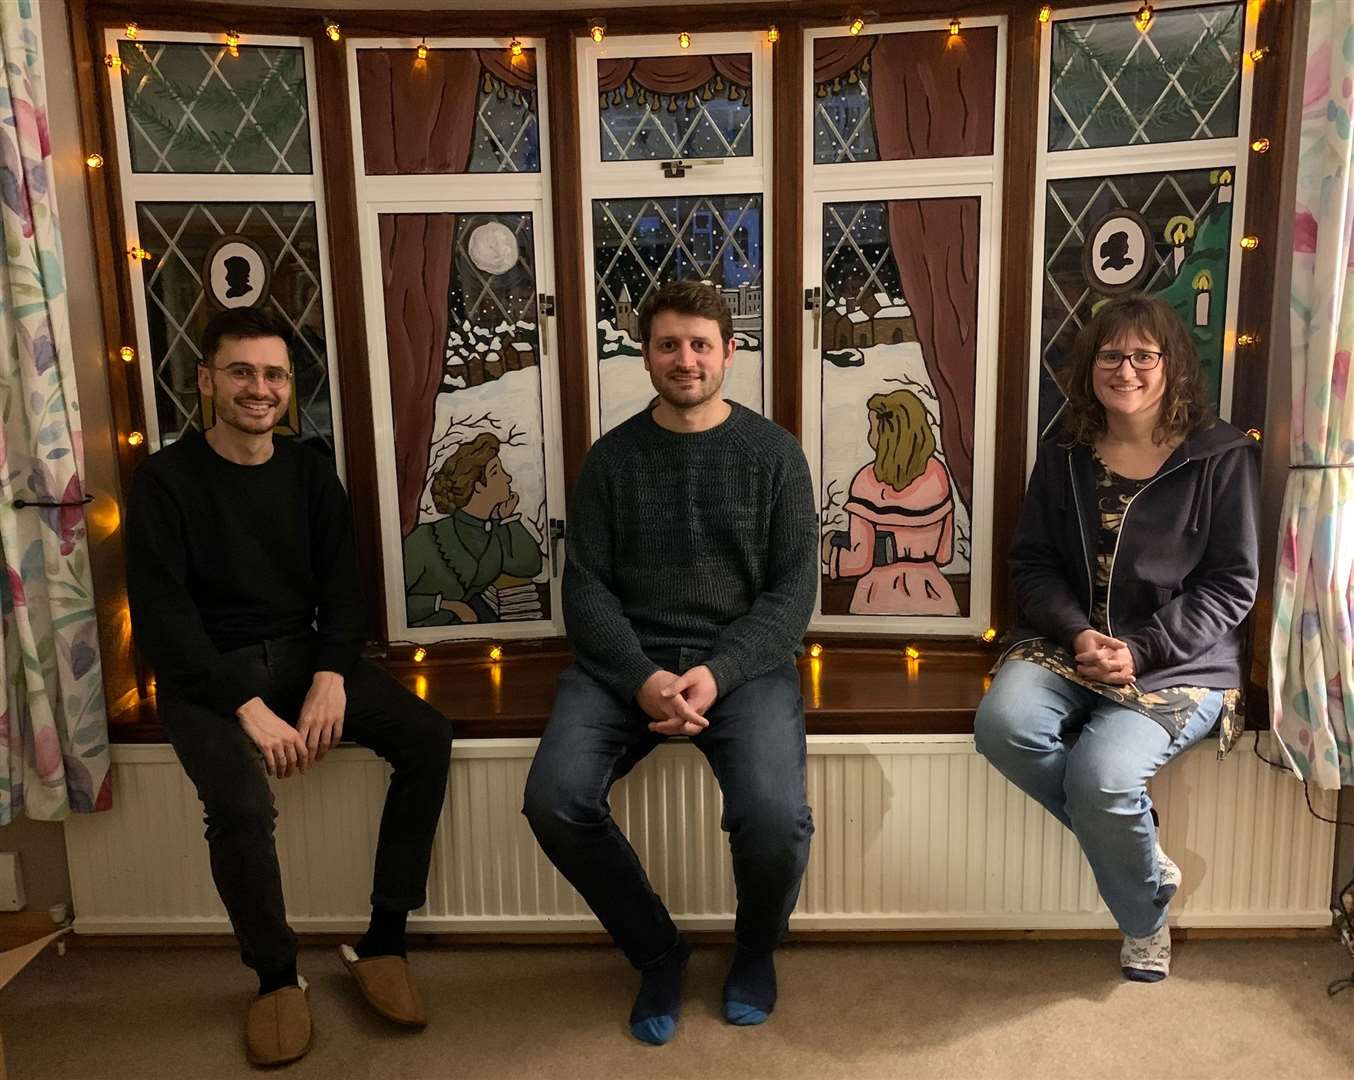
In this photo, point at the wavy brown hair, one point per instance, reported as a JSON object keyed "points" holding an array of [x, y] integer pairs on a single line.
{"points": [[1183, 408], [456, 478], [906, 441]]}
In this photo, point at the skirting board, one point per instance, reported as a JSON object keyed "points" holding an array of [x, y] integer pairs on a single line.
{"points": [[913, 832]]}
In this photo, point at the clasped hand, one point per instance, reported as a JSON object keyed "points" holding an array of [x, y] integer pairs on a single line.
{"points": [[1103, 659], [319, 728], [677, 703]]}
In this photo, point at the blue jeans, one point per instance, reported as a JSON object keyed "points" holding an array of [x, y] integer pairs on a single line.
{"points": [[1087, 761], [755, 745]]}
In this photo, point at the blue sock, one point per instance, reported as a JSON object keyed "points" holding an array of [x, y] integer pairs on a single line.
{"points": [[750, 989], [653, 1019]]}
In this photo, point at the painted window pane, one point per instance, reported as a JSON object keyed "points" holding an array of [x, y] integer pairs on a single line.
{"points": [[898, 337], [1114, 85], [1168, 234], [206, 256], [195, 108], [894, 97], [638, 245], [458, 111], [675, 106], [466, 397]]}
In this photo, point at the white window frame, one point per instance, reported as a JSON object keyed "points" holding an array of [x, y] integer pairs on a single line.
{"points": [[644, 179], [1233, 153], [219, 187], [920, 178], [458, 193]]}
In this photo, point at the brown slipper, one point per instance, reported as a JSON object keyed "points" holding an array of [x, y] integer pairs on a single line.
{"points": [[277, 1029], [388, 985]]}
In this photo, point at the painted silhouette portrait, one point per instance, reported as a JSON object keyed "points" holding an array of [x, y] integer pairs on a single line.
{"points": [[237, 276], [1114, 252]]}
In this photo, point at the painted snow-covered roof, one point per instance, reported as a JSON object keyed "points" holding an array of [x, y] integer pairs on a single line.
{"points": [[883, 299], [857, 316], [522, 346], [894, 311]]}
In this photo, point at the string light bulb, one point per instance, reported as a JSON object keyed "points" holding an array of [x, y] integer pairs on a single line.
{"points": [[1246, 339], [515, 47], [132, 30], [331, 30], [135, 438], [684, 40], [990, 634], [422, 51], [420, 654], [815, 650], [857, 25], [1250, 242], [1260, 145], [233, 42], [139, 253], [1254, 433], [496, 653], [94, 161], [127, 353], [954, 27], [597, 30], [1259, 54], [112, 61], [912, 652], [1143, 18], [772, 34], [1046, 13]]}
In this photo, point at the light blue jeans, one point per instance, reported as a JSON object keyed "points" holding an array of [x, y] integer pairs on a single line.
{"points": [[1087, 761]]}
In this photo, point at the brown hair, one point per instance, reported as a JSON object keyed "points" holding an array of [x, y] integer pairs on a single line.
{"points": [[456, 478], [242, 322], [906, 441], [686, 298], [1182, 404]]}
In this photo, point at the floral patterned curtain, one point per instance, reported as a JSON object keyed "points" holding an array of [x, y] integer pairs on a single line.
{"points": [[1312, 647], [53, 727]]}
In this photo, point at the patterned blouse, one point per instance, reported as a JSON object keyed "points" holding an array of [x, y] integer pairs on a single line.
{"points": [[1171, 706]]}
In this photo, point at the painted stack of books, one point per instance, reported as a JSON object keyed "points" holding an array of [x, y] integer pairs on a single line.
{"points": [[514, 600]]}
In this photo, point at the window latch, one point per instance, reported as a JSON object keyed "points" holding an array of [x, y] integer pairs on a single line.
{"points": [[675, 170], [556, 538], [545, 309], [813, 303]]}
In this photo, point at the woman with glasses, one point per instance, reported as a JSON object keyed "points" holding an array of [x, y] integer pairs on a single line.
{"points": [[1134, 566]]}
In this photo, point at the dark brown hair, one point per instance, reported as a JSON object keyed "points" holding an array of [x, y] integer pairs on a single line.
{"points": [[686, 298], [242, 322], [1182, 404], [456, 478]]}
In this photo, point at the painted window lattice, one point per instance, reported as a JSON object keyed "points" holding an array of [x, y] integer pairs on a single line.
{"points": [[284, 278], [1113, 85], [843, 124], [474, 542], [643, 118], [895, 529], [638, 244], [1176, 225], [507, 129], [196, 108]]}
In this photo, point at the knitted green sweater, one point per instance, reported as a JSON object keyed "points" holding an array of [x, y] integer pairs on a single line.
{"points": [[706, 541]]}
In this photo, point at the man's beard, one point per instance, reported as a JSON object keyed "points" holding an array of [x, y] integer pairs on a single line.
{"points": [[693, 393]]}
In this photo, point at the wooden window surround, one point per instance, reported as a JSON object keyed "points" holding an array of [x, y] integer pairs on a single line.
{"points": [[859, 684]]}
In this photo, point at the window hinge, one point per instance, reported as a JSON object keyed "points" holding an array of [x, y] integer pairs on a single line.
{"points": [[556, 538], [813, 302], [545, 309]]}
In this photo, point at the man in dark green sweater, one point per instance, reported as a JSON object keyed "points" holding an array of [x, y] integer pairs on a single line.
{"points": [[690, 579], [245, 599]]}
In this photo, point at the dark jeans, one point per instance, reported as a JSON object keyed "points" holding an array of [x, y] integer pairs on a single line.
{"points": [[227, 770], [755, 745]]}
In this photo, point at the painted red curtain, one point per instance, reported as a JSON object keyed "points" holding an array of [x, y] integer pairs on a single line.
{"points": [[674, 74]]}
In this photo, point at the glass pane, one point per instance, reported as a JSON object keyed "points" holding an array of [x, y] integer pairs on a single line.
{"points": [[899, 369], [195, 108], [896, 97], [255, 254], [466, 395], [675, 106], [638, 244], [457, 111], [1113, 85], [1179, 223]]}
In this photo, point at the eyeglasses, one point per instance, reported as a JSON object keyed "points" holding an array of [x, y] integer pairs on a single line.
{"points": [[244, 374], [1142, 359]]}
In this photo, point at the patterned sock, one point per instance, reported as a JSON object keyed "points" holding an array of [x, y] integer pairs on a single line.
{"points": [[1168, 877], [750, 989], [653, 1019], [385, 935], [1147, 959]]}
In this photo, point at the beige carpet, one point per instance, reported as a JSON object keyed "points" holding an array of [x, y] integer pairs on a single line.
{"points": [[1046, 1009]]}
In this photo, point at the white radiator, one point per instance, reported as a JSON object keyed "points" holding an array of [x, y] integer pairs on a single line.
{"points": [[913, 832]]}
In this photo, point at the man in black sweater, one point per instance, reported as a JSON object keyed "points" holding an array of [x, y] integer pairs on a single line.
{"points": [[690, 578], [245, 599]]}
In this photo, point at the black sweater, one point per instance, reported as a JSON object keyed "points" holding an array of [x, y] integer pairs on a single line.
{"points": [[705, 541], [221, 556], [1187, 566]]}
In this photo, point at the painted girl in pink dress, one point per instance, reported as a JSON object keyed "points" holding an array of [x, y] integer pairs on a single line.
{"points": [[901, 517]]}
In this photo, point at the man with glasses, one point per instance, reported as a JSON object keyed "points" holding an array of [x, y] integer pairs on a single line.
{"points": [[243, 584]]}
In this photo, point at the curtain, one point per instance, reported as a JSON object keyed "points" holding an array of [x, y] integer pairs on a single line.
{"points": [[53, 728], [1312, 646], [674, 74]]}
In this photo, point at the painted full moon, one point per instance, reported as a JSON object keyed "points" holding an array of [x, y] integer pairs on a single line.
{"points": [[493, 248]]}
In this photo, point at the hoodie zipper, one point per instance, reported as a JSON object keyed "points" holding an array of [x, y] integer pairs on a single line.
{"points": [[1123, 518], [1081, 528]]}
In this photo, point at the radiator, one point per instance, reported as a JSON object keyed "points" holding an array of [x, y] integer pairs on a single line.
{"points": [[913, 832]]}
